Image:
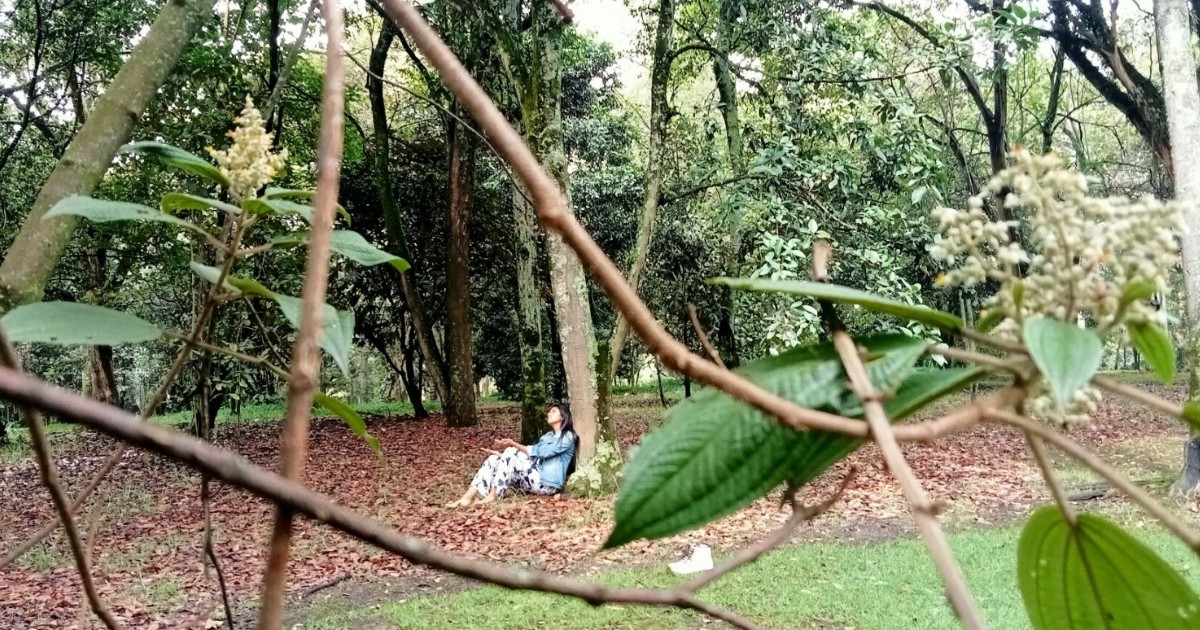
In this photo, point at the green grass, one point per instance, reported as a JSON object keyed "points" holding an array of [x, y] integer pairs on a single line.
{"points": [[864, 586]]}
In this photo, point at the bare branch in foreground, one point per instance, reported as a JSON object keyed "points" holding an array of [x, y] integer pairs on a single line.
{"points": [[924, 511], [1056, 490], [240, 472], [49, 472], [1112, 475], [703, 336], [306, 356], [800, 514]]}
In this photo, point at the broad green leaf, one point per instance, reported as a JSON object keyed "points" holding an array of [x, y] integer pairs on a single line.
{"points": [[716, 454], [210, 274], [918, 194], [1138, 290], [73, 323], [352, 245], [183, 201], [1095, 575], [178, 158], [1066, 354], [232, 283], [353, 420], [103, 211], [289, 193], [1019, 11], [337, 328], [847, 295], [278, 207], [1154, 344]]}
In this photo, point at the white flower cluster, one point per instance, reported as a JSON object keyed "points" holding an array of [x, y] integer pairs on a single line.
{"points": [[1082, 254], [249, 163]]}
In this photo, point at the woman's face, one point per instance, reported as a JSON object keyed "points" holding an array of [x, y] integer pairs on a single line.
{"points": [[554, 417]]}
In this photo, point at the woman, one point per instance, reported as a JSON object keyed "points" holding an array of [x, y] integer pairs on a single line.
{"points": [[540, 468]]}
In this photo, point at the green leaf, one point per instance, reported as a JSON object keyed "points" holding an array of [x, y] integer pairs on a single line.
{"points": [[278, 207], [1154, 344], [1095, 575], [104, 211], [178, 158], [210, 274], [233, 283], [716, 454], [183, 201], [1138, 290], [73, 323], [352, 245], [918, 194], [989, 321], [1019, 11], [353, 420], [337, 328], [1066, 354], [288, 193], [847, 295]]}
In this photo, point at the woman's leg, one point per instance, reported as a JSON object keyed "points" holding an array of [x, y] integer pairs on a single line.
{"points": [[482, 484], [512, 464]]}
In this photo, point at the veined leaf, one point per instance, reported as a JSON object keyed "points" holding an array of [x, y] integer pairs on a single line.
{"points": [[104, 211], [847, 295], [353, 420], [75, 324], [178, 158], [1095, 575], [278, 207], [1066, 354], [183, 201], [1154, 344], [352, 245], [337, 328], [716, 454]]}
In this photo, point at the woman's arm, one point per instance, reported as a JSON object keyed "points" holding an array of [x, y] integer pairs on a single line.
{"points": [[557, 447], [513, 443]]}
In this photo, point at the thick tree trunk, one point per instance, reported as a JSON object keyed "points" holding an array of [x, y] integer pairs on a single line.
{"points": [[1182, 99], [40, 244], [727, 102], [460, 407], [652, 192], [102, 381], [529, 317], [391, 214]]}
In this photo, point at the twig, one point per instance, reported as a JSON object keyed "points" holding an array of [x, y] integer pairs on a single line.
{"points": [[1114, 477], [924, 511], [1056, 490], [703, 337], [334, 581], [967, 356], [565, 11], [1145, 399], [240, 472], [212, 557], [800, 514], [306, 357], [160, 394], [241, 356], [988, 340], [553, 213], [49, 473]]}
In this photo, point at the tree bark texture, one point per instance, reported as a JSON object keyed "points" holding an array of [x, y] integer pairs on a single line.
{"points": [[460, 407]]}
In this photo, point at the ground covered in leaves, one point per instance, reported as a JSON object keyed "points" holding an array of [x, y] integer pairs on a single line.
{"points": [[146, 531]]}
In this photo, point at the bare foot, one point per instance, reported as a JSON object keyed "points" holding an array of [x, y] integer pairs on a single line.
{"points": [[491, 498], [455, 504]]}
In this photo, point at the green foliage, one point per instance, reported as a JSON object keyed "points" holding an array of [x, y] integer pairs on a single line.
{"points": [[353, 420], [1066, 354], [73, 323], [175, 201], [1156, 346], [177, 158], [1094, 575], [847, 295], [352, 245], [103, 211], [716, 454]]}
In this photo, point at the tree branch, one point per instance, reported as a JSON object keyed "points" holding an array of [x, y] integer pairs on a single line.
{"points": [[306, 356], [240, 472], [703, 336]]}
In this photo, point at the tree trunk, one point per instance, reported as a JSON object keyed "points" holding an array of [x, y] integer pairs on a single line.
{"points": [[662, 395], [651, 196], [391, 214], [412, 378], [460, 407], [1182, 99], [39, 245], [729, 12], [529, 318], [103, 382]]}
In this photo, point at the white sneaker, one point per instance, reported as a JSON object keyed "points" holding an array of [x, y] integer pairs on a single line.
{"points": [[699, 560]]}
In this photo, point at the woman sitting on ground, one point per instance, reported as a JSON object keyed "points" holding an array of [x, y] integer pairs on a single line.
{"points": [[540, 468]]}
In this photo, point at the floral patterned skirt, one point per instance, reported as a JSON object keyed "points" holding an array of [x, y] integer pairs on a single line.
{"points": [[510, 470]]}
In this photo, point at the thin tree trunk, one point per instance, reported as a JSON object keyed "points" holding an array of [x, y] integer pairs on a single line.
{"points": [[411, 376], [40, 244], [662, 395], [729, 12], [391, 214], [274, 55], [460, 408], [655, 175], [1182, 99]]}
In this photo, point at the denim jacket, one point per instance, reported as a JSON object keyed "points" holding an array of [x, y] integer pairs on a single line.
{"points": [[551, 455]]}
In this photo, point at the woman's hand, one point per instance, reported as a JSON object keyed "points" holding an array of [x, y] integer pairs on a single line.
{"points": [[489, 451], [506, 442]]}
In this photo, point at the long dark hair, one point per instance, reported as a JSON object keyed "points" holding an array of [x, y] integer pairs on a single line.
{"points": [[568, 424]]}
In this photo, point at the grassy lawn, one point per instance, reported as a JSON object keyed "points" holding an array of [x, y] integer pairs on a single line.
{"points": [[865, 586]]}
